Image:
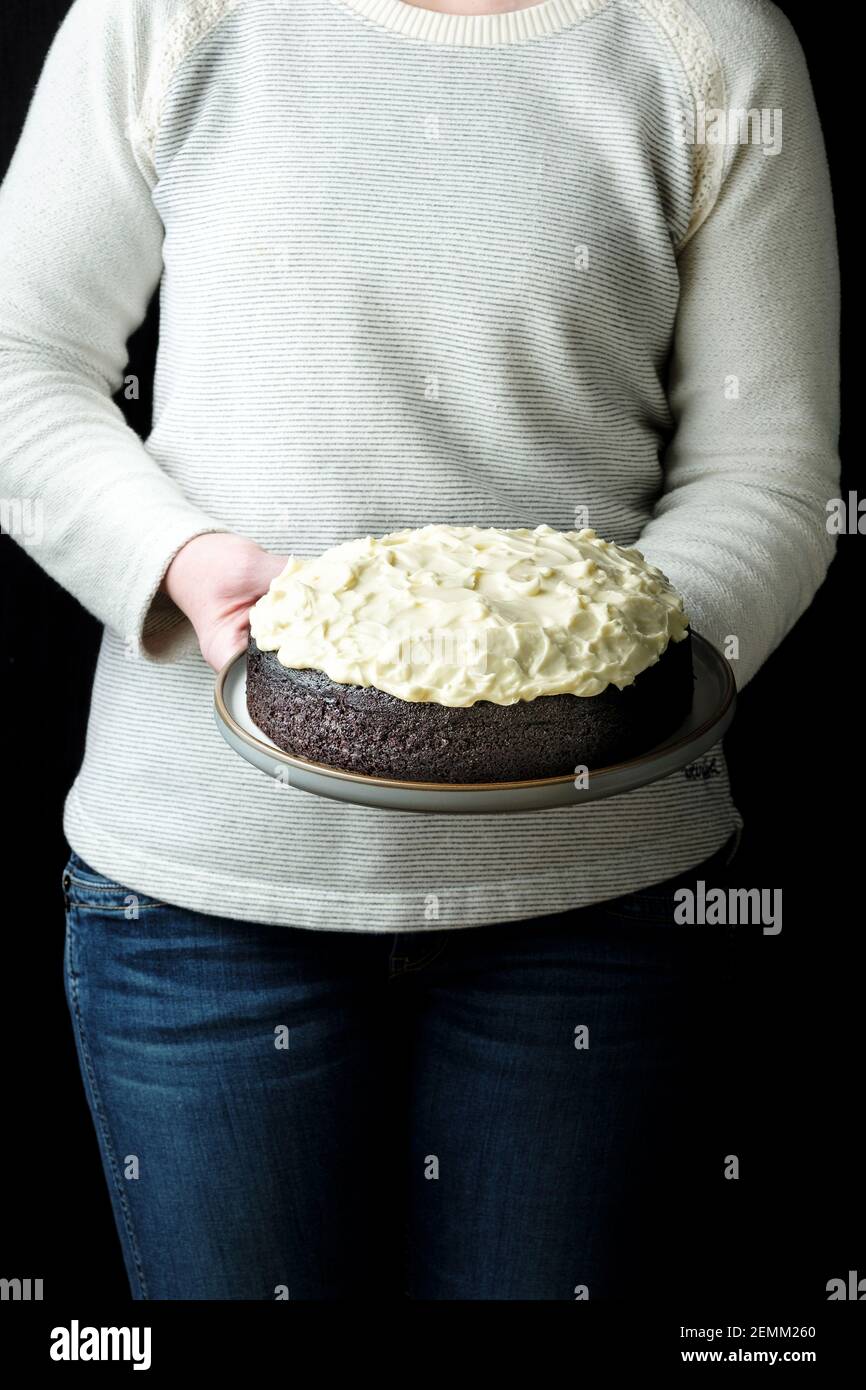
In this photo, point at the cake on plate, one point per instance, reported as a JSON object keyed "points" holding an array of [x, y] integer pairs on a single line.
{"points": [[469, 654]]}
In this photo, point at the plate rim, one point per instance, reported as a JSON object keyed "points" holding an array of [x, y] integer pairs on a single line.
{"points": [[225, 715]]}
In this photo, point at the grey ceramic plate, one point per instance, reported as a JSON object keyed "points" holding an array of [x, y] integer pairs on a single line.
{"points": [[711, 713]]}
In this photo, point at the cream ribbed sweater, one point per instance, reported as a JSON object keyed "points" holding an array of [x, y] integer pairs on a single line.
{"points": [[414, 268]]}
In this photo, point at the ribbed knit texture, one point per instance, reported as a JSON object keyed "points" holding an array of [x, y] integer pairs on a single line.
{"points": [[412, 272]]}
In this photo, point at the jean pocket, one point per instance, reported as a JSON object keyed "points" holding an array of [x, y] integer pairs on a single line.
{"points": [[90, 891]]}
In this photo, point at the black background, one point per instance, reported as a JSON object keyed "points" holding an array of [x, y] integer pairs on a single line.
{"points": [[776, 1236]]}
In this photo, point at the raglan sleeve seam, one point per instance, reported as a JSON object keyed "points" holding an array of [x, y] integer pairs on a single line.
{"points": [[696, 53], [192, 22]]}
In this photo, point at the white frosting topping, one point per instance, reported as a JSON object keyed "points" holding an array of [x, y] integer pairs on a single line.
{"points": [[455, 614]]}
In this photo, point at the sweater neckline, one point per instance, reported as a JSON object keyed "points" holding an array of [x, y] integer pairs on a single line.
{"points": [[474, 30]]}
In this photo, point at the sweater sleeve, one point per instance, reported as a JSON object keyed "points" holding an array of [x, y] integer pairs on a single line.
{"points": [[80, 258], [740, 527]]}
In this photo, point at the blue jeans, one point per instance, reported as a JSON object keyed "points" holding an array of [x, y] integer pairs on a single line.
{"points": [[503, 1112]]}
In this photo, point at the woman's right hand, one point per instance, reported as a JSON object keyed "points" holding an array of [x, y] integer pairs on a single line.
{"points": [[215, 579]]}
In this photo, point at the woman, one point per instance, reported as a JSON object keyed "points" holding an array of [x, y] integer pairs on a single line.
{"points": [[572, 263]]}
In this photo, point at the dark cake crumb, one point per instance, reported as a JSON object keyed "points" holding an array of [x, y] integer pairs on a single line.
{"points": [[366, 730]]}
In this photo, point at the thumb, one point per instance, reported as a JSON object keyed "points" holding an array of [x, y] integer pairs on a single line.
{"points": [[259, 572], [268, 567]]}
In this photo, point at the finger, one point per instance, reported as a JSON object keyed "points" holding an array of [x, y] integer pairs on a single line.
{"points": [[226, 644]]}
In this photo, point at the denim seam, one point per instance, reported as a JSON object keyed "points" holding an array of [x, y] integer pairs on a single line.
{"points": [[90, 887], [102, 1121], [428, 959], [105, 887], [418, 964], [116, 911]]}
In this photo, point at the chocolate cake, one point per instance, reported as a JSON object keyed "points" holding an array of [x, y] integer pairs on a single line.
{"points": [[576, 653], [362, 729]]}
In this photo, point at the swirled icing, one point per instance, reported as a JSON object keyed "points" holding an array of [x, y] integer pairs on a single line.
{"points": [[456, 614]]}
